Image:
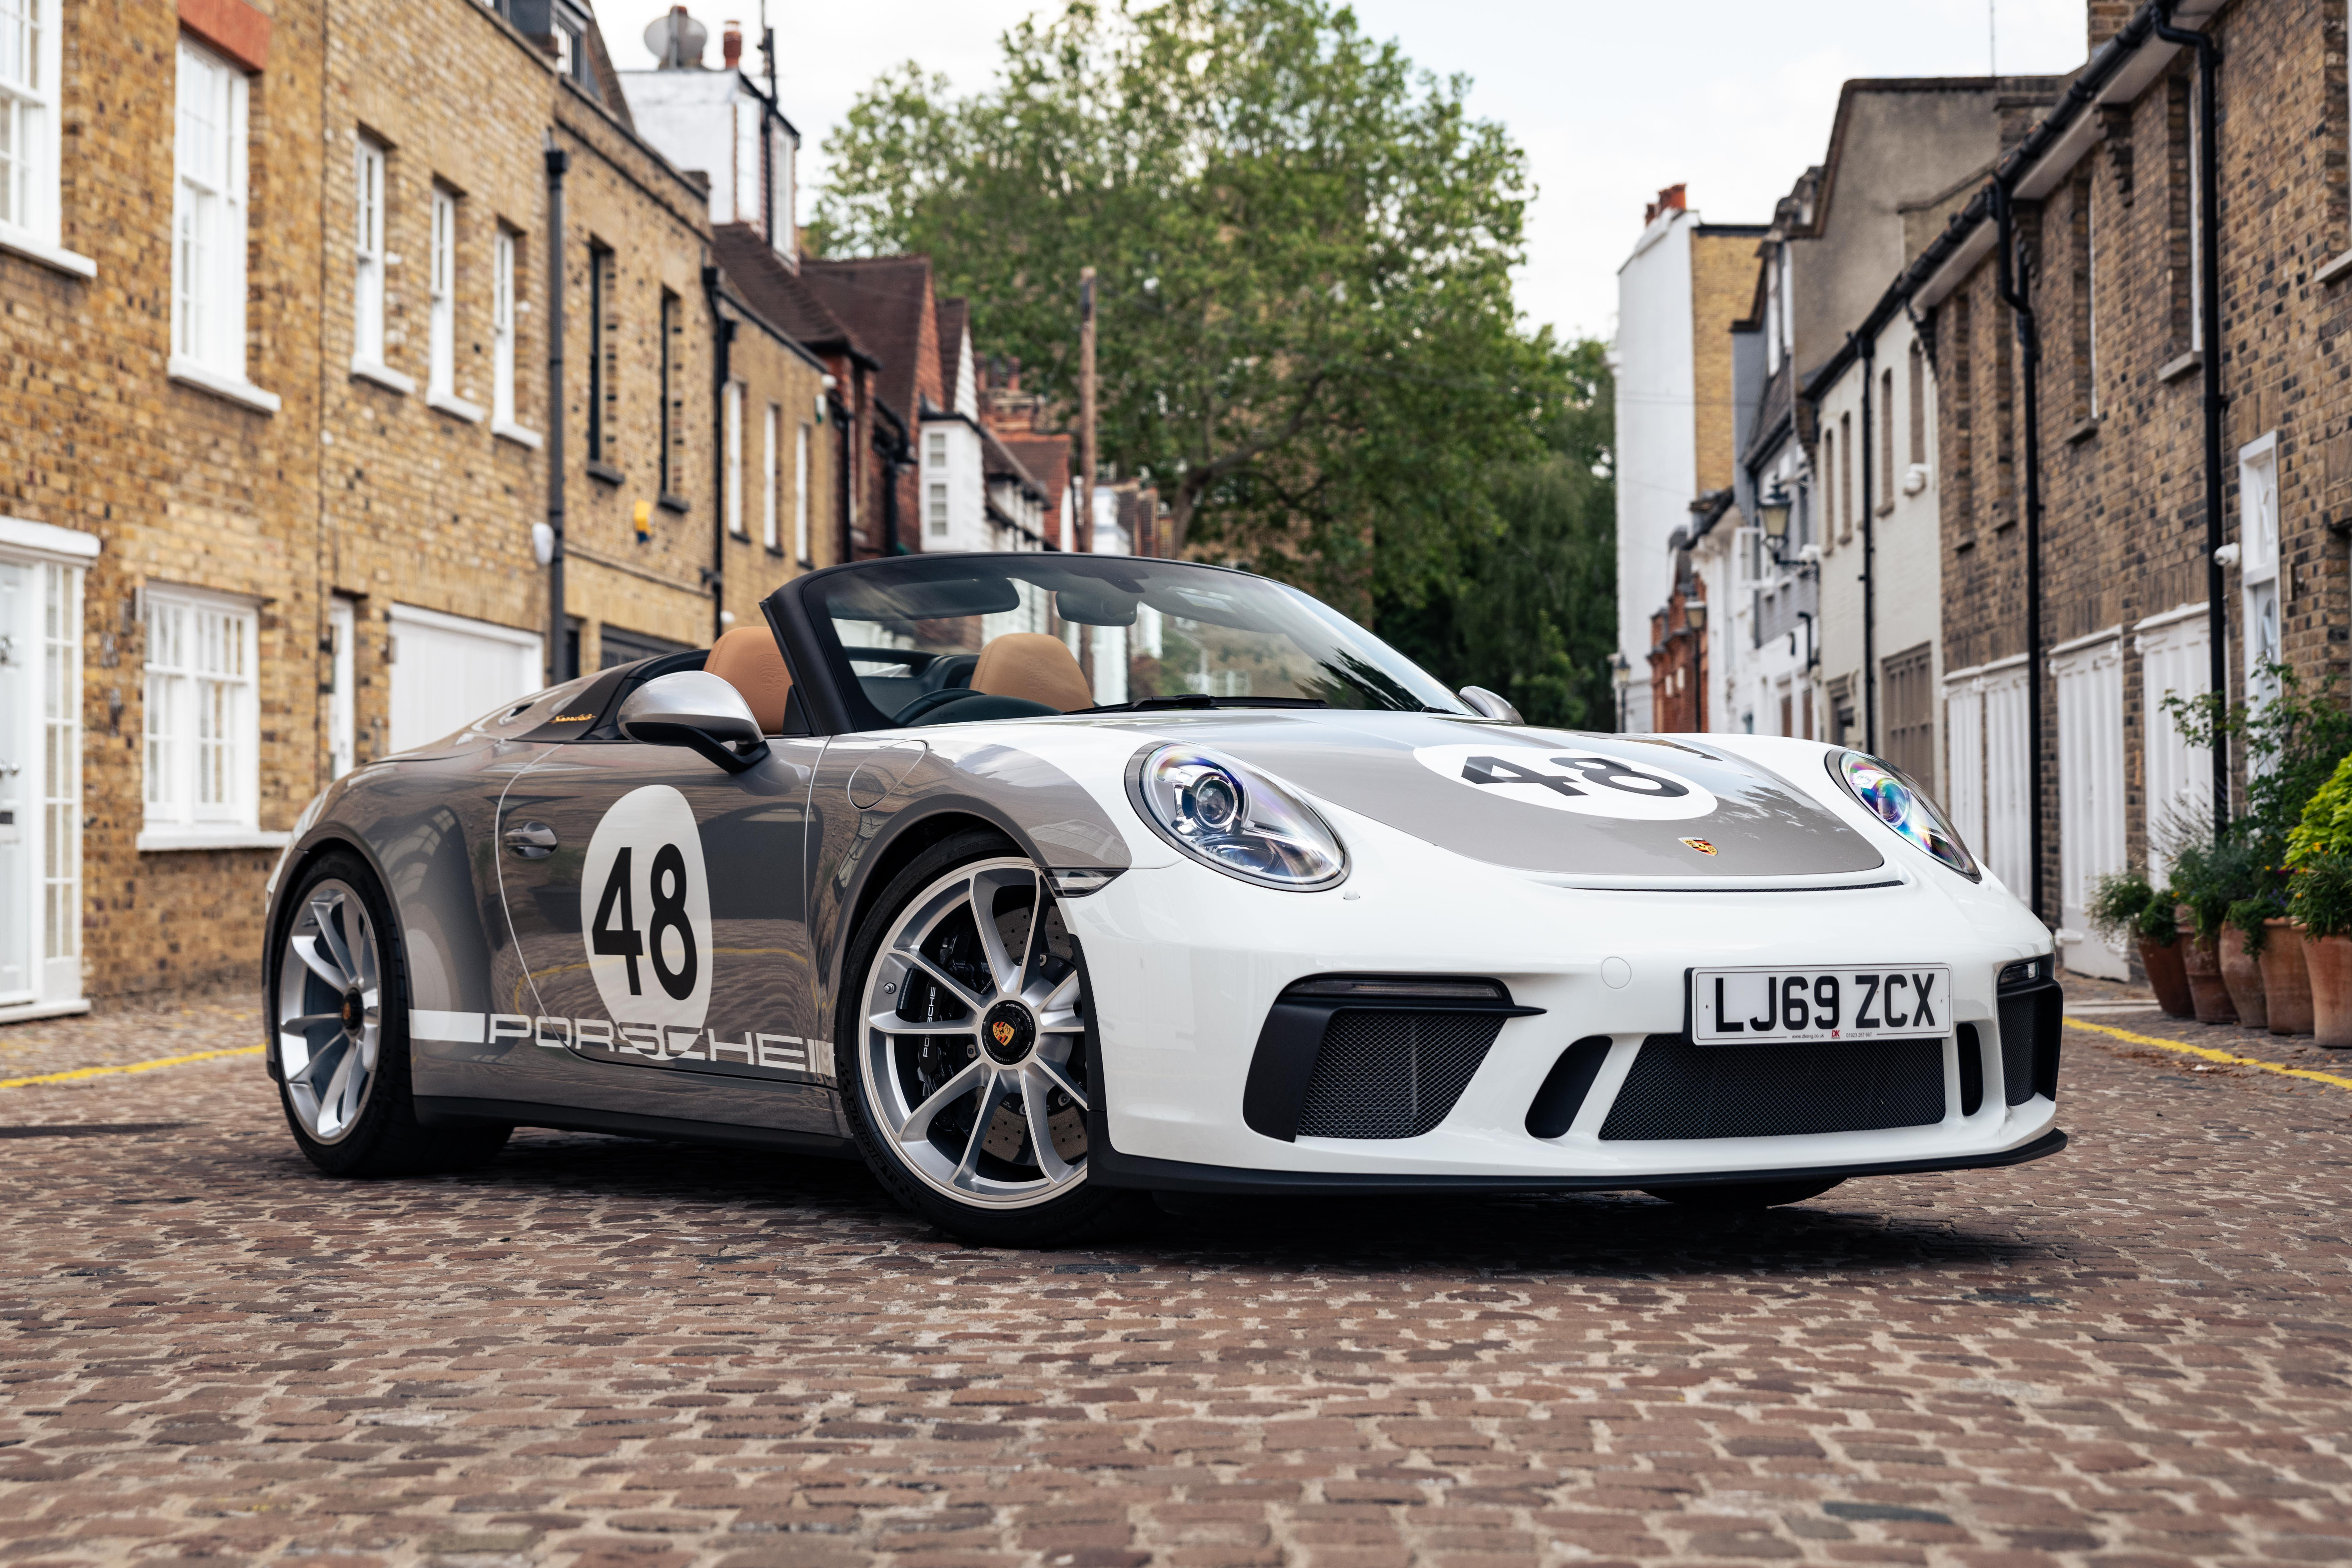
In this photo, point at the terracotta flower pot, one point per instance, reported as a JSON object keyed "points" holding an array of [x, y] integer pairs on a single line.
{"points": [[2241, 972], [2286, 983], [2206, 989], [2170, 980], [2330, 959]]}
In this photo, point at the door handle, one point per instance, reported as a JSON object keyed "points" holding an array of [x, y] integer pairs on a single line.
{"points": [[532, 840]]}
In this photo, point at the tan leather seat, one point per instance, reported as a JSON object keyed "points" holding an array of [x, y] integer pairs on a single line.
{"points": [[748, 659], [1034, 667]]}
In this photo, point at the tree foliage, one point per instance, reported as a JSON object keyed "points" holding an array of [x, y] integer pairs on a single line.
{"points": [[1525, 602], [1304, 247]]}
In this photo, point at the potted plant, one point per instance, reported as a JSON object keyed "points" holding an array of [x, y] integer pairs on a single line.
{"points": [[2197, 883], [2242, 878], [2319, 858], [2124, 905]]}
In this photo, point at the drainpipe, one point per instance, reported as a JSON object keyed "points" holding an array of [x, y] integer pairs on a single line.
{"points": [[2029, 342], [722, 357], [558, 161], [2209, 290], [1869, 565]]}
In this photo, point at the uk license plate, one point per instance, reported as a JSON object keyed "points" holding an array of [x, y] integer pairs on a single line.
{"points": [[1767, 1006]]}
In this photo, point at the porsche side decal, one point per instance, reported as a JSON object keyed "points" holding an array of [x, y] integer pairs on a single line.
{"points": [[644, 910], [657, 1042], [1585, 783]]}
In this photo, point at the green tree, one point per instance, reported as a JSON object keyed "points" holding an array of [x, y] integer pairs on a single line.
{"points": [[1525, 601], [1304, 247]]}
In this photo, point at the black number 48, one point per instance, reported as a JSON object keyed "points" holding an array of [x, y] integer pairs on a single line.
{"points": [[622, 941], [1604, 771]]}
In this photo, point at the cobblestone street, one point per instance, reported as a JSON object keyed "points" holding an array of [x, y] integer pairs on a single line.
{"points": [[604, 1352]]}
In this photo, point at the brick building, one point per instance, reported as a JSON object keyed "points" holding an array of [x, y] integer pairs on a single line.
{"points": [[2055, 729], [275, 289]]}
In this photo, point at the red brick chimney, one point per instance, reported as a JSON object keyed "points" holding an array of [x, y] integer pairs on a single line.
{"points": [[730, 45], [1669, 200], [2106, 18]]}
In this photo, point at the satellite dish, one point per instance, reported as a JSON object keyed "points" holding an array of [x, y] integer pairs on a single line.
{"points": [[675, 40]]}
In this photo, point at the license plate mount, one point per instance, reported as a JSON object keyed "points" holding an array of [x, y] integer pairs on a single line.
{"points": [[1763, 1004]]}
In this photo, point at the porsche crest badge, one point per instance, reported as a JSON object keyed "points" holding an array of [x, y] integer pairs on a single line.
{"points": [[1003, 1031], [1701, 845]]}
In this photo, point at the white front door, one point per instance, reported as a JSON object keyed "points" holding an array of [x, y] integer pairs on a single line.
{"points": [[40, 780], [2090, 683], [1964, 784], [2258, 565], [447, 671], [2175, 659]]}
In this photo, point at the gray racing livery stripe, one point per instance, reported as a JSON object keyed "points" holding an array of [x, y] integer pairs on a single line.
{"points": [[466, 1029]]}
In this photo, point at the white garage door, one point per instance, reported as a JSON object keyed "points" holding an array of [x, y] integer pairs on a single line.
{"points": [[2090, 678], [2008, 845], [447, 671], [2174, 661]]}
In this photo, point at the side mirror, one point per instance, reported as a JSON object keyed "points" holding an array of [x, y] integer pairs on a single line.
{"points": [[695, 708], [1483, 703]]}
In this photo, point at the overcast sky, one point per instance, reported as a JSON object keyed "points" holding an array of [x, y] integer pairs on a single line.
{"points": [[1611, 101]]}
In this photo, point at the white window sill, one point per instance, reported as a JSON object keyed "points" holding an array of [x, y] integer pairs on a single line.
{"points": [[515, 433], [25, 1011], [449, 402], [17, 242], [156, 839], [382, 376], [2334, 269], [235, 388]]}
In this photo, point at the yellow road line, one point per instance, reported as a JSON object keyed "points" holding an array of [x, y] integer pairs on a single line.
{"points": [[2188, 1050], [145, 1067]]}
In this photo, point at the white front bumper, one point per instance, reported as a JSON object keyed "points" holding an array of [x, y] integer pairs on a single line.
{"points": [[1184, 963]]}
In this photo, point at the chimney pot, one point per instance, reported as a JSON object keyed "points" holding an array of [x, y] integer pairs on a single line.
{"points": [[730, 45]]}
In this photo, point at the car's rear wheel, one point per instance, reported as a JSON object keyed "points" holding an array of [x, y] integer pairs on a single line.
{"points": [[1740, 1198], [339, 1005], [964, 1050]]}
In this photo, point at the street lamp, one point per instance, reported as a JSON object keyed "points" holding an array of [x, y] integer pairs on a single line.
{"points": [[1621, 675], [1695, 614], [1773, 513]]}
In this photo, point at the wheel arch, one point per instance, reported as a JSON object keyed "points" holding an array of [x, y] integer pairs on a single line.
{"points": [[319, 843]]}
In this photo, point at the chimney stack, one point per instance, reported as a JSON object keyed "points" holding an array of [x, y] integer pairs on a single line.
{"points": [[730, 45], [1669, 200]]}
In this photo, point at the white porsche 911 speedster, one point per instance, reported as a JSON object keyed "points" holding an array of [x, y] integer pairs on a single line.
{"points": [[1044, 883]]}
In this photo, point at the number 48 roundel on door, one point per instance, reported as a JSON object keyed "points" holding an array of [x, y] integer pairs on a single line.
{"points": [[644, 910]]}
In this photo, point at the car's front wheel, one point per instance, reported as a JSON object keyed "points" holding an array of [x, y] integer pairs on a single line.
{"points": [[339, 1003], [963, 1052]]}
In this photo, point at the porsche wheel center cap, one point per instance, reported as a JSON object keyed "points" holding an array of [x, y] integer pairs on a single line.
{"points": [[1007, 1032], [353, 1010]]}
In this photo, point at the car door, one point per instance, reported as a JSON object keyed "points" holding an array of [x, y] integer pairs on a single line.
{"points": [[659, 906]]}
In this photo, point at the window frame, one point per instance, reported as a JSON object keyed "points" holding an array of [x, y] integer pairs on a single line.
{"points": [[807, 441], [601, 380], [441, 287], [209, 219], [369, 158], [176, 809], [730, 417], [772, 440], [31, 216], [667, 465], [502, 329]]}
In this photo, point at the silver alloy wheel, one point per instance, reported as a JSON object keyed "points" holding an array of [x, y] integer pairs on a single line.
{"points": [[329, 1010], [980, 1089]]}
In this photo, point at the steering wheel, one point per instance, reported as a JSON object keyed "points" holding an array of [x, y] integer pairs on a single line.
{"points": [[931, 702]]}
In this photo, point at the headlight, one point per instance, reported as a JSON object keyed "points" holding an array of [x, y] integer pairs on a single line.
{"points": [[1902, 807], [1226, 813]]}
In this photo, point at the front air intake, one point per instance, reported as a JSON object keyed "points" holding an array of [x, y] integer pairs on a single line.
{"points": [[1372, 1056], [1677, 1089]]}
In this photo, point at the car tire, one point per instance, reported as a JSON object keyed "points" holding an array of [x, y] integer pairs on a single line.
{"points": [[351, 1115], [980, 1180], [1743, 1197]]}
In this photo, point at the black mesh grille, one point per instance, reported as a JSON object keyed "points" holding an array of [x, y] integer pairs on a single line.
{"points": [[1393, 1074], [1677, 1089]]}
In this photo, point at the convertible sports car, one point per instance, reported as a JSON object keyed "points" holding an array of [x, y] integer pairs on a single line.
{"points": [[1044, 882]]}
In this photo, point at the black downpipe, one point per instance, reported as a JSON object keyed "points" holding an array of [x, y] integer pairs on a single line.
{"points": [[1869, 565], [722, 358], [2209, 288], [846, 423], [2029, 342], [558, 644]]}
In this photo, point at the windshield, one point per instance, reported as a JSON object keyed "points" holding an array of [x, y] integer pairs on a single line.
{"points": [[963, 637]]}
